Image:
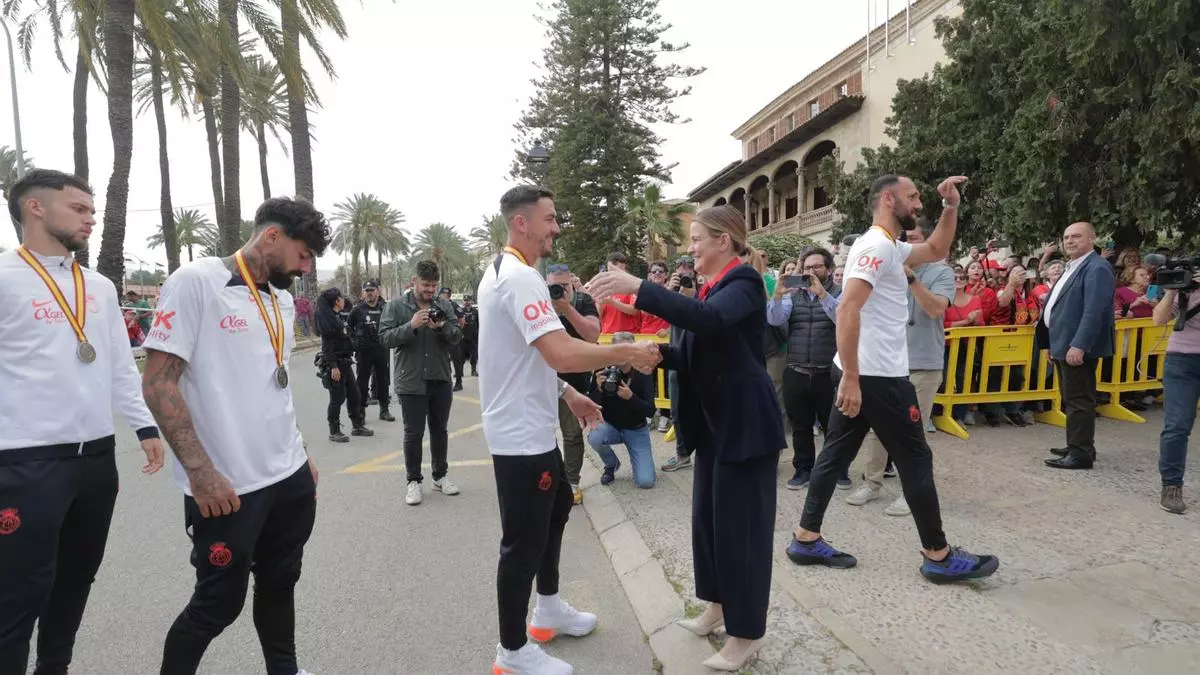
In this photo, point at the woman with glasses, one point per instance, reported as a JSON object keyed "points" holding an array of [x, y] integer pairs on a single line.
{"points": [[965, 310]]}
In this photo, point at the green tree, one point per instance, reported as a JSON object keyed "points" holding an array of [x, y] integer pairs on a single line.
{"points": [[1058, 111], [491, 236], [780, 247], [607, 79], [192, 229], [365, 222], [443, 245], [264, 109], [655, 220]]}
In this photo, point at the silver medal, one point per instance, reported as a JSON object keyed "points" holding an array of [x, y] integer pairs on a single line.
{"points": [[86, 352], [281, 377]]}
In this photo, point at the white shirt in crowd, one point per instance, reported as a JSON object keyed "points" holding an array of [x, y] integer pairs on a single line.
{"points": [[245, 421], [518, 390], [882, 339], [1070, 269], [49, 396]]}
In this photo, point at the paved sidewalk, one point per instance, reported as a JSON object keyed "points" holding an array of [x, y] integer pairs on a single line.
{"points": [[1094, 576]]}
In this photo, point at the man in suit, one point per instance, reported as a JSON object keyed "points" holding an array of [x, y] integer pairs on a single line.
{"points": [[1077, 326]]}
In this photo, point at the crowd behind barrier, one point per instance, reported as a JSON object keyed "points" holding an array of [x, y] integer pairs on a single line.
{"points": [[1004, 367]]}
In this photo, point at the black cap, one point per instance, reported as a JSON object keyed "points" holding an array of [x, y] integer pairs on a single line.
{"points": [[446, 289], [371, 286]]}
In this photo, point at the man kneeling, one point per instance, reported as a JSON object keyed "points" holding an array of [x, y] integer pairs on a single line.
{"points": [[627, 399]]}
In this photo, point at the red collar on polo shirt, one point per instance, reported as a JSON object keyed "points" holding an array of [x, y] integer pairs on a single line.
{"points": [[720, 275]]}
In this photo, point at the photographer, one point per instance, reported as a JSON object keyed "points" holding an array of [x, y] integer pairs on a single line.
{"points": [[683, 282], [422, 328], [336, 367], [581, 319], [371, 356], [626, 398], [1181, 383]]}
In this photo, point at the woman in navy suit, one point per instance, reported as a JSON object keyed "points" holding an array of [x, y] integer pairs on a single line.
{"points": [[728, 411]]}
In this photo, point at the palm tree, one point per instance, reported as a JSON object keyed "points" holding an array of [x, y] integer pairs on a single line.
{"points": [[385, 236], [192, 229], [491, 236], [8, 174], [357, 217], [118, 48], [443, 245], [264, 108], [651, 219]]}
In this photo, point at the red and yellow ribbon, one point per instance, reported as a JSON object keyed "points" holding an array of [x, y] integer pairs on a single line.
{"points": [[885, 232], [77, 318], [274, 330], [520, 256]]}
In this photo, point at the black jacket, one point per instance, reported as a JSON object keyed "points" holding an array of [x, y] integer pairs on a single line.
{"points": [[727, 403], [336, 345], [631, 414], [364, 324]]}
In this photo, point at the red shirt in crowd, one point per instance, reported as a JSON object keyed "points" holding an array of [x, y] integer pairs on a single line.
{"points": [[652, 324], [613, 320], [987, 298], [955, 313], [1022, 311], [1126, 296], [1041, 293]]}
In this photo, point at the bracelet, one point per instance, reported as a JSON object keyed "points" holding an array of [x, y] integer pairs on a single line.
{"points": [[562, 388]]}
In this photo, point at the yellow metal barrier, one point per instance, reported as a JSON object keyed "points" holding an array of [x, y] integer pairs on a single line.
{"points": [[1137, 342], [663, 399], [1003, 348]]}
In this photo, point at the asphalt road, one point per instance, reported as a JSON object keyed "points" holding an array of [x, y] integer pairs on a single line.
{"points": [[386, 589]]}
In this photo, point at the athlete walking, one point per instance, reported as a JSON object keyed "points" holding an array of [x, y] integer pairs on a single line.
{"points": [[874, 391], [523, 344]]}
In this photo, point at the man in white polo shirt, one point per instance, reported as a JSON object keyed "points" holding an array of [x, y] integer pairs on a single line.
{"points": [[522, 346], [65, 363], [217, 381], [874, 391]]}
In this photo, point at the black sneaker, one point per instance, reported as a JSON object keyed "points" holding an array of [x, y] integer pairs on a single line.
{"points": [[819, 552], [458, 385], [800, 480], [339, 437], [609, 476], [1016, 419], [386, 415], [959, 565], [361, 431]]}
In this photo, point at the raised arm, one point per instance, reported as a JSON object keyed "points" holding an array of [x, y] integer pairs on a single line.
{"points": [[937, 245]]}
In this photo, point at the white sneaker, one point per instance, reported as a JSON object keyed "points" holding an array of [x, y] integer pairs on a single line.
{"points": [[445, 486], [414, 494], [303, 672], [529, 660], [865, 493], [898, 507], [565, 620], [664, 423]]}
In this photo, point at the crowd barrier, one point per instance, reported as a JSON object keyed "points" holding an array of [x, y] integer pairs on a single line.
{"points": [[999, 364]]}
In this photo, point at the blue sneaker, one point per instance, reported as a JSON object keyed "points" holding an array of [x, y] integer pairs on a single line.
{"points": [[819, 552], [960, 564], [799, 480], [607, 477]]}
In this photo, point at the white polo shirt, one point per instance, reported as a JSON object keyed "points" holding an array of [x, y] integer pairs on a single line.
{"points": [[47, 395], [245, 421], [882, 339], [518, 390]]}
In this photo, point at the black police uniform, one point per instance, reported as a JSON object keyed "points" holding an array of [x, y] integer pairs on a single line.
{"points": [[371, 357], [470, 341]]}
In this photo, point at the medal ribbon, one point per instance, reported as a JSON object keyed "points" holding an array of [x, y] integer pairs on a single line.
{"points": [[520, 256], [78, 318], [885, 233], [274, 330]]}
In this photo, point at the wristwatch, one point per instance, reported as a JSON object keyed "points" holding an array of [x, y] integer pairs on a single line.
{"points": [[912, 279], [562, 388], [947, 205]]}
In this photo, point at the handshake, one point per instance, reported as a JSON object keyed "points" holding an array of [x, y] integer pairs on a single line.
{"points": [[643, 356]]}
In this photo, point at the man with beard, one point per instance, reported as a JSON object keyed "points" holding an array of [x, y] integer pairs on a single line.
{"points": [[65, 364], [372, 357], [874, 391], [422, 328], [581, 320], [217, 382]]}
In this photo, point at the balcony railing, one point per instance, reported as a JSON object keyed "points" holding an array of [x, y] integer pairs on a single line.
{"points": [[816, 221]]}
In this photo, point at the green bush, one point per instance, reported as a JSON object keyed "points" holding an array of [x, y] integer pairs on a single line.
{"points": [[780, 247]]}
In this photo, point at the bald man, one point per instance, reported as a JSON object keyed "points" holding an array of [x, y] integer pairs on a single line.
{"points": [[1077, 327]]}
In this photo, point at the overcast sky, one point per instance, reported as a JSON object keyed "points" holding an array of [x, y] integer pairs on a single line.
{"points": [[421, 111]]}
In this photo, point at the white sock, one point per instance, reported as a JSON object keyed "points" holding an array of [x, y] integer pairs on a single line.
{"points": [[549, 603]]}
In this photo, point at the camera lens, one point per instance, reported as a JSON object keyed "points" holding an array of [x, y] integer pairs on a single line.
{"points": [[557, 292], [686, 282]]}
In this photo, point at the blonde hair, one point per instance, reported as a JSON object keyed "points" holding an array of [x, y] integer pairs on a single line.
{"points": [[725, 219]]}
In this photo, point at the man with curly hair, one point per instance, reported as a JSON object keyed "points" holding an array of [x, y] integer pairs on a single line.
{"points": [[250, 488]]}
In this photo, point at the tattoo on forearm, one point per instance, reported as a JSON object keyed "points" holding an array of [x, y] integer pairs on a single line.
{"points": [[160, 387]]}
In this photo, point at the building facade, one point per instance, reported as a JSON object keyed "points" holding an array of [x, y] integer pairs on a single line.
{"points": [[837, 110]]}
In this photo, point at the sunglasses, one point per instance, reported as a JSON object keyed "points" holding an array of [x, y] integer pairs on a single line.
{"points": [[658, 270], [555, 269]]}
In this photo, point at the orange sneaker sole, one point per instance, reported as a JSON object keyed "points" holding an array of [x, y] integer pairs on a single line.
{"points": [[542, 634]]}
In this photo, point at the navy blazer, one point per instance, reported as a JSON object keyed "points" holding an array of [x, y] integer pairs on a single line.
{"points": [[727, 402], [1082, 314]]}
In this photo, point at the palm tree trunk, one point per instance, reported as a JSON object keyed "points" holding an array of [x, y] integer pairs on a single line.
{"points": [[298, 120], [118, 45], [79, 101], [261, 137], [379, 259], [214, 156], [189, 248], [170, 236], [231, 104]]}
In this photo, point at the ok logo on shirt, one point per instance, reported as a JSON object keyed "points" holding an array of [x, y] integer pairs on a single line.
{"points": [[535, 310]]}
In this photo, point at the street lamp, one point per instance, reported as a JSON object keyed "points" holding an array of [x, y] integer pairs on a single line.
{"points": [[12, 73]]}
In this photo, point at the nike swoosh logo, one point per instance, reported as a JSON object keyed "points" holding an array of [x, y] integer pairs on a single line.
{"points": [[37, 304]]}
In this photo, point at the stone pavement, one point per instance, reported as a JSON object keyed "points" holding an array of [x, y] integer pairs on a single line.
{"points": [[1094, 576]]}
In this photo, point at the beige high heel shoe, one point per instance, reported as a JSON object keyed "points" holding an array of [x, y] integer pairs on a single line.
{"points": [[719, 662], [700, 628]]}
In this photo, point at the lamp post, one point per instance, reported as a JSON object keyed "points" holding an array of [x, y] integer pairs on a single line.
{"points": [[538, 161]]}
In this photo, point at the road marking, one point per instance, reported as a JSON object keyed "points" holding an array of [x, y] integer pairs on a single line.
{"points": [[468, 399], [380, 464]]}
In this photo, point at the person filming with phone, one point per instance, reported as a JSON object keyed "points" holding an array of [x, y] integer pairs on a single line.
{"points": [[805, 306]]}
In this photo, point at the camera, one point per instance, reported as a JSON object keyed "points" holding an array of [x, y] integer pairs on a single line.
{"points": [[612, 379], [436, 314], [557, 291], [1177, 274], [686, 282]]}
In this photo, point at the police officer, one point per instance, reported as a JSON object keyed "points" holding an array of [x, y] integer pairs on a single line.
{"points": [[470, 328], [66, 362], [372, 357], [456, 351]]}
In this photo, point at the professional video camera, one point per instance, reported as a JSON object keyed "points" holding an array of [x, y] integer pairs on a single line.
{"points": [[612, 379], [1177, 274], [436, 314], [557, 291]]}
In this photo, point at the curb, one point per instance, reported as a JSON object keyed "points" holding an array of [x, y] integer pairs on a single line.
{"points": [[654, 600]]}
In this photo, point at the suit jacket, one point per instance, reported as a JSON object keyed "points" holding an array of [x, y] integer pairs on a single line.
{"points": [[1082, 314], [726, 400]]}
